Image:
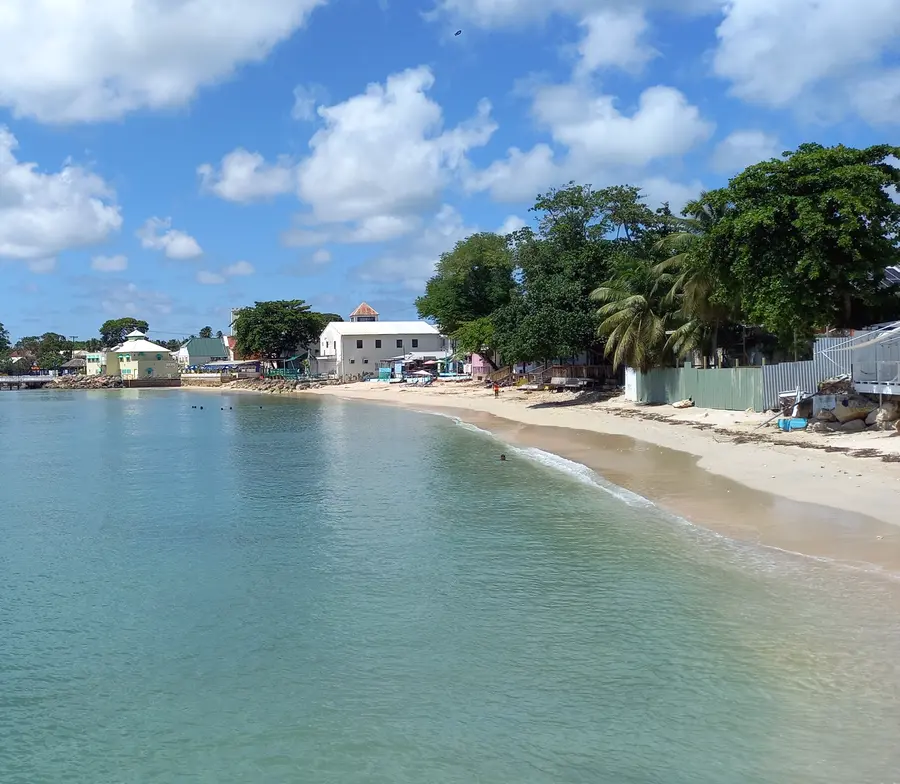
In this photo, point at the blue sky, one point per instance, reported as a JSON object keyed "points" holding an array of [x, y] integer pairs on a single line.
{"points": [[171, 159]]}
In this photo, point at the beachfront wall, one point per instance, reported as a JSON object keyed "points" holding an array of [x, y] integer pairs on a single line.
{"points": [[730, 389], [737, 389]]}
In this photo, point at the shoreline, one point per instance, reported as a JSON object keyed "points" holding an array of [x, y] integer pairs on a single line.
{"points": [[765, 494], [774, 495]]}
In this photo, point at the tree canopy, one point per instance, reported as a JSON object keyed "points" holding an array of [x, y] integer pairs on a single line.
{"points": [[272, 330], [470, 283], [113, 331], [4, 341], [205, 332], [804, 240]]}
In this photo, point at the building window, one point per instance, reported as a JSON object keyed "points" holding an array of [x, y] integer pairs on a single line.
{"points": [[159, 356], [415, 343], [377, 344], [359, 344], [352, 361], [365, 361], [400, 343], [327, 345]]}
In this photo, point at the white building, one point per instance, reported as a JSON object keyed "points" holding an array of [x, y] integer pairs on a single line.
{"points": [[354, 349]]}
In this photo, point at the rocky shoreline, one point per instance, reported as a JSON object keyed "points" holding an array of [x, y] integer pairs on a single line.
{"points": [[275, 386], [86, 382]]}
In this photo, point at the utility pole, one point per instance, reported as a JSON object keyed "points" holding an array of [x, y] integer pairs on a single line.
{"points": [[72, 339]]}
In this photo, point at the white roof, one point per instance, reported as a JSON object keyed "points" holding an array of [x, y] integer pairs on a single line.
{"points": [[136, 334], [132, 346], [382, 328]]}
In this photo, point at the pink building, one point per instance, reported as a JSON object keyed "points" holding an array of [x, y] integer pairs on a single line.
{"points": [[479, 367]]}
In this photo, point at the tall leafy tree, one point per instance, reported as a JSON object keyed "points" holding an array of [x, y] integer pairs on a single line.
{"points": [[806, 238], [272, 330], [551, 313], [113, 331], [5, 345], [206, 332], [470, 283]]}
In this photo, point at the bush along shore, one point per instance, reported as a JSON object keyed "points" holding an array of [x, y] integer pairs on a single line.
{"points": [[85, 382]]}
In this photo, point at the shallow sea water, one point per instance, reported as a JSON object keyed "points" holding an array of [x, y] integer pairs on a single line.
{"points": [[325, 592]]}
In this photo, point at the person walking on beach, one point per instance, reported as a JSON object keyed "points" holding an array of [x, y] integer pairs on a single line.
{"points": [[496, 389]]}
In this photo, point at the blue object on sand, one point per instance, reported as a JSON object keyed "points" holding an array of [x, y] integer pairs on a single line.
{"points": [[792, 423]]}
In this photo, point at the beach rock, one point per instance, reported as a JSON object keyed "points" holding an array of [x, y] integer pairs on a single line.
{"points": [[85, 382], [853, 407], [840, 385], [853, 426], [826, 416], [820, 427]]}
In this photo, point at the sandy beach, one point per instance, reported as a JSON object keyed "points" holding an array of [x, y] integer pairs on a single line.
{"points": [[830, 497]]}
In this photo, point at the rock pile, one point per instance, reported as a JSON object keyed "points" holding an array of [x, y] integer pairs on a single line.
{"points": [[840, 385], [85, 382], [854, 413], [273, 386]]}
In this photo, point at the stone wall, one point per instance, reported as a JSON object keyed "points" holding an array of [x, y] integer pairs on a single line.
{"points": [[85, 382]]}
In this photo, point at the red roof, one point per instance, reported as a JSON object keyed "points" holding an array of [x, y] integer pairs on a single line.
{"points": [[364, 310]]}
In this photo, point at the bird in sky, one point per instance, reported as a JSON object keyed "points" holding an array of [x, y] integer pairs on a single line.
{"points": [[457, 32]]}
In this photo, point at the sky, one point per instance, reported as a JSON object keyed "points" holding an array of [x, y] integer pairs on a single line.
{"points": [[172, 159]]}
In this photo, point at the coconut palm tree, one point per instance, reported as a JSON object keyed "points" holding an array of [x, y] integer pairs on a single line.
{"points": [[692, 284], [636, 314]]}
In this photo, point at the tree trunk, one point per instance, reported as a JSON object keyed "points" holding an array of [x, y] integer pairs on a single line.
{"points": [[488, 358]]}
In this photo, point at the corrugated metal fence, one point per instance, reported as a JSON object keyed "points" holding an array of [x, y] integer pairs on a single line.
{"points": [[737, 389], [832, 357], [732, 389]]}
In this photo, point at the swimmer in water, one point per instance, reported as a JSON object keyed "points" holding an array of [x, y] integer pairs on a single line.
{"points": [[502, 458]]}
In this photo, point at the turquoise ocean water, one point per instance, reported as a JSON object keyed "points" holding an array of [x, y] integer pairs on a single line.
{"points": [[316, 591]]}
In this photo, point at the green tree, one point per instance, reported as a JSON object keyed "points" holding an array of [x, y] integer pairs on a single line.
{"points": [[206, 332], [806, 238], [113, 331], [271, 330], [470, 283], [636, 314], [5, 345], [219, 333], [52, 351], [550, 313]]}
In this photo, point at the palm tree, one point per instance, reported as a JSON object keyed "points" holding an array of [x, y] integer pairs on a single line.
{"points": [[692, 283], [635, 314]]}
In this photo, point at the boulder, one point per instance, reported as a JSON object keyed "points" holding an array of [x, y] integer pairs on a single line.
{"points": [[825, 415], [853, 426], [820, 427], [853, 407], [888, 412]]}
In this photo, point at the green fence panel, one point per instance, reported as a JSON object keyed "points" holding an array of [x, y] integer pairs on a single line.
{"points": [[730, 389]]}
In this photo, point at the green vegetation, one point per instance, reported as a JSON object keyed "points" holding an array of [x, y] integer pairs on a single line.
{"points": [[272, 330], [789, 247], [113, 331]]}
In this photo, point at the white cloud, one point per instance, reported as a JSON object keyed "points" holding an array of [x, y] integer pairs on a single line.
{"points": [[511, 224], [409, 264], [244, 177], [321, 256], [42, 266], [599, 140], [239, 268], [109, 263], [877, 98], [42, 215], [774, 51], [613, 39], [207, 278], [158, 234], [384, 156], [87, 60], [306, 99], [657, 190], [744, 148], [492, 14]]}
